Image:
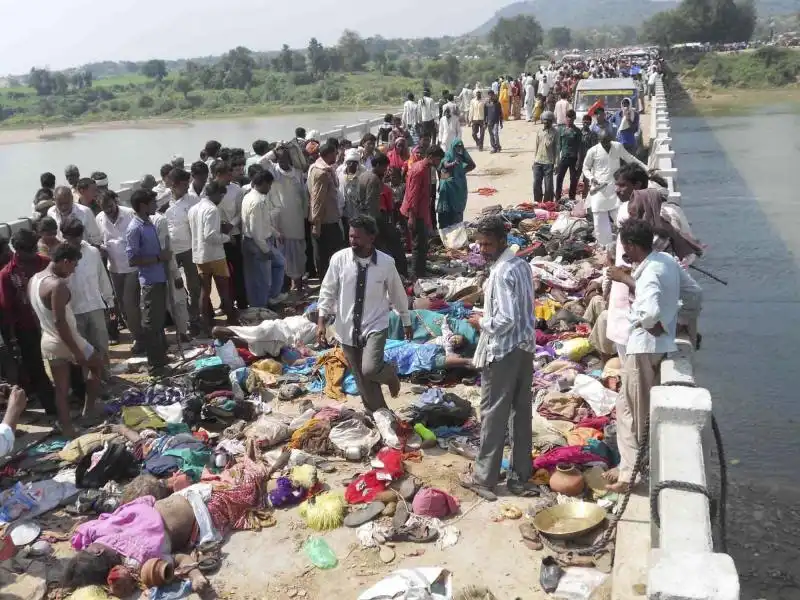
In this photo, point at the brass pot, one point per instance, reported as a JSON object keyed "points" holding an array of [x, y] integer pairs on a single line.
{"points": [[567, 480], [568, 521]]}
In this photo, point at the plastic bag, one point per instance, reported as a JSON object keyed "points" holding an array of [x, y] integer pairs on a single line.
{"points": [[14, 502], [579, 583], [600, 398], [319, 553], [354, 434], [228, 354], [454, 237], [268, 431], [574, 349]]}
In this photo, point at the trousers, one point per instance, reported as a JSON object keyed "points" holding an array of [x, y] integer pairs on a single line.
{"points": [[494, 136], [506, 402], [233, 254], [478, 133], [639, 374], [263, 274], [192, 277], [568, 163], [329, 242], [389, 241], [542, 177], [126, 285], [370, 370], [420, 248], [602, 226], [154, 315]]}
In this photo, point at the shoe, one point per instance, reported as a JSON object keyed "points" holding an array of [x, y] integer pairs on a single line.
{"points": [[138, 349], [279, 299], [185, 338], [550, 574]]}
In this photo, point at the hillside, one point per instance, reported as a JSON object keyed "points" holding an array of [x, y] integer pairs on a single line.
{"points": [[588, 14]]}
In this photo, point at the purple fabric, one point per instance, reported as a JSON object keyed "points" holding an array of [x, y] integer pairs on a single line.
{"points": [[135, 530], [574, 455]]}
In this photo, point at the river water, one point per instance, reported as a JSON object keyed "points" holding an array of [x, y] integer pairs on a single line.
{"points": [[737, 179], [127, 154]]}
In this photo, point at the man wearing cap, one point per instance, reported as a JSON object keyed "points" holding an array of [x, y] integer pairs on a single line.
{"points": [[347, 175], [545, 149]]}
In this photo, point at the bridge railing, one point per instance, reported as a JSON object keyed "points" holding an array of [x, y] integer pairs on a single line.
{"points": [[674, 558]]}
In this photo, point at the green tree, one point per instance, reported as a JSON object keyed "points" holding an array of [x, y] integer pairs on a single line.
{"points": [[155, 69], [87, 78], [298, 62], [285, 59], [60, 84], [429, 47], [353, 50], [715, 21], [517, 38], [452, 70], [42, 81], [183, 85], [318, 59], [559, 37], [381, 61]]}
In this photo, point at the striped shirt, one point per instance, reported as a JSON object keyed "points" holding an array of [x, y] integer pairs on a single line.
{"points": [[508, 315]]}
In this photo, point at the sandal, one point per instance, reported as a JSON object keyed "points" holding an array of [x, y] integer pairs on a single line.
{"points": [[420, 534], [467, 482], [461, 449], [370, 512], [522, 489]]}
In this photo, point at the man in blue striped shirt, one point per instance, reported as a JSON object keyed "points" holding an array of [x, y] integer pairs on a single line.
{"points": [[505, 354]]}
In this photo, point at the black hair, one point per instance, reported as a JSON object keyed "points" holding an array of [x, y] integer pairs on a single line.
{"points": [[300, 132], [199, 168], [224, 154], [212, 147], [347, 144], [380, 160], [72, 227], [261, 147], [24, 240], [216, 188], [571, 114], [492, 226], [368, 137], [564, 95], [220, 168], [165, 169], [388, 118], [637, 232], [436, 151], [47, 180], [108, 195], [632, 173], [84, 183], [238, 161], [365, 223], [140, 197], [253, 169], [587, 117], [89, 568], [178, 175], [47, 224], [327, 149], [65, 251], [333, 142], [237, 152], [411, 97], [261, 178]]}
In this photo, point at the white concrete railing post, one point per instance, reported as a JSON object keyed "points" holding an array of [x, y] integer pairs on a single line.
{"points": [[681, 563]]}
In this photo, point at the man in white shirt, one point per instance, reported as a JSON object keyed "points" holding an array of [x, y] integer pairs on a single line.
{"points": [[260, 151], [659, 286], [66, 207], [410, 118], [231, 210], [113, 222], [209, 234], [464, 99], [180, 236], [428, 114], [17, 401], [162, 188], [291, 196], [599, 166], [199, 172], [359, 288], [91, 290], [263, 262], [562, 106]]}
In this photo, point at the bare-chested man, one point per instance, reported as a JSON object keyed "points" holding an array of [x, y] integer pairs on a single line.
{"points": [[61, 343]]}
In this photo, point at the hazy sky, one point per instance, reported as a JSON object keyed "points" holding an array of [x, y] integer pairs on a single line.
{"points": [[66, 33]]}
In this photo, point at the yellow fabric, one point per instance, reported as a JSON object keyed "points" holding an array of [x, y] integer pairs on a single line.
{"points": [[265, 371], [505, 101], [545, 309], [581, 435], [268, 365], [92, 592], [142, 417], [86, 444], [335, 365]]}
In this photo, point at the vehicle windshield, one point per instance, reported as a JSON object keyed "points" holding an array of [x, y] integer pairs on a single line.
{"points": [[612, 99]]}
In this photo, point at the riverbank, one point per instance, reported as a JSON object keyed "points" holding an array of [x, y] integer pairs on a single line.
{"points": [[26, 132], [718, 101]]}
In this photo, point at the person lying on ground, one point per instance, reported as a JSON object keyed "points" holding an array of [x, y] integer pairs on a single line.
{"points": [[17, 401]]}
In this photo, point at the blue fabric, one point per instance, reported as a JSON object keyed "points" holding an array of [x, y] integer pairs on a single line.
{"points": [[627, 136], [516, 239], [427, 324], [411, 357], [453, 190], [174, 591], [142, 242], [455, 310]]}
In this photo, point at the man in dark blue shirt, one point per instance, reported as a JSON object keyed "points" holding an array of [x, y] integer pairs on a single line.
{"points": [[494, 121]]}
